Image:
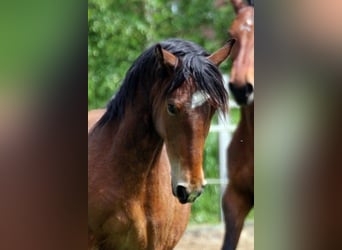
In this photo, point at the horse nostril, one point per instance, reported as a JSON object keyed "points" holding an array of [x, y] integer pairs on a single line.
{"points": [[182, 194], [249, 88], [241, 93]]}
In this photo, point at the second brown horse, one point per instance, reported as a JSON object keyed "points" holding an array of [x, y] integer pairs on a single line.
{"points": [[239, 195]]}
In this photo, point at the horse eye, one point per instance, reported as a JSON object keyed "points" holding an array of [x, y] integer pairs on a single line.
{"points": [[171, 109]]}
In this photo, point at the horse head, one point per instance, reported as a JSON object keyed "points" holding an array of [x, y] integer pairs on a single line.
{"points": [[182, 117], [241, 81]]}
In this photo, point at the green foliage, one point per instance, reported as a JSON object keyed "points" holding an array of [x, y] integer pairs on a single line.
{"points": [[207, 207], [119, 31], [116, 36], [250, 215]]}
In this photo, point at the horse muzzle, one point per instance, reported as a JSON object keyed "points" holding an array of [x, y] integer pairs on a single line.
{"points": [[243, 94], [185, 196]]}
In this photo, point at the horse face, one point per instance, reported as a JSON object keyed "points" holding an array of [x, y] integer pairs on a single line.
{"points": [[183, 122], [242, 74]]}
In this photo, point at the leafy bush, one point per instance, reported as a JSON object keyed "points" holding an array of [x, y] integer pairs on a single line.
{"points": [[119, 31]]}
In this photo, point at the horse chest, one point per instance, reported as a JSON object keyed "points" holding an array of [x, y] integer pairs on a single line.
{"points": [[137, 227], [125, 229]]}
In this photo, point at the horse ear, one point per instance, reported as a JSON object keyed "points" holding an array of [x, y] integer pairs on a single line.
{"points": [[220, 55], [165, 57]]}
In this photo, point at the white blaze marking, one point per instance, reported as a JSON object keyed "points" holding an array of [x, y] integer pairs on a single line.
{"points": [[247, 25], [249, 22], [198, 98]]}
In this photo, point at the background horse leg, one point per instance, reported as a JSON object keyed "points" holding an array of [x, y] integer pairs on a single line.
{"points": [[236, 205]]}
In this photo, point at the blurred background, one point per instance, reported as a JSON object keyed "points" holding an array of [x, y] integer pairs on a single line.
{"points": [[46, 48]]}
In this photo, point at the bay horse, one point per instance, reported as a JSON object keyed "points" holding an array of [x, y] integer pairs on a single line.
{"points": [[238, 198], [145, 151]]}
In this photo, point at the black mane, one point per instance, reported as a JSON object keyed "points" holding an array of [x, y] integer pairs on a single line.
{"points": [[145, 71]]}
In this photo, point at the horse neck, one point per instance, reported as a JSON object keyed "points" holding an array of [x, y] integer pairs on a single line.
{"points": [[247, 118], [135, 141]]}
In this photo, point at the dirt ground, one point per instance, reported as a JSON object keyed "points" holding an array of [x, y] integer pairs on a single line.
{"points": [[211, 237]]}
